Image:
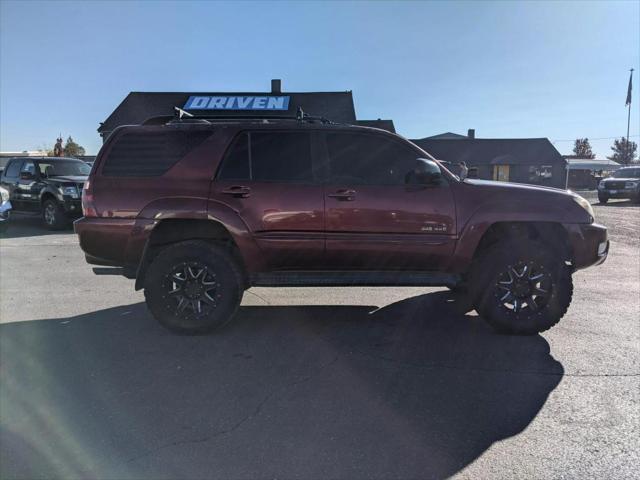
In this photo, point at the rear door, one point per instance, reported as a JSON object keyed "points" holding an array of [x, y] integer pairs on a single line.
{"points": [[270, 178], [375, 221]]}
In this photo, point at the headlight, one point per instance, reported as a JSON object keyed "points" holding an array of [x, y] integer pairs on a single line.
{"points": [[584, 204], [4, 193], [630, 184], [70, 191]]}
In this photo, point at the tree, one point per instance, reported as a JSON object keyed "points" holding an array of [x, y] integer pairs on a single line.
{"points": [[582, 148], [72, 149], [623, 153]]}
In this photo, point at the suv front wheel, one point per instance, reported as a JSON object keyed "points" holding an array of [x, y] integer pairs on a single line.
{"points": [[193, 287], [525, 288], [53, 215]]}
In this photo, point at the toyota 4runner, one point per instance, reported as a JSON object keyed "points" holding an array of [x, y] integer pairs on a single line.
{"points": [[197, 212]]}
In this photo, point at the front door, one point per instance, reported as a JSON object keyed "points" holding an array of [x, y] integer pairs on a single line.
{"points": [[269, 178], [501, 173], [375, 220], [28, 188]]}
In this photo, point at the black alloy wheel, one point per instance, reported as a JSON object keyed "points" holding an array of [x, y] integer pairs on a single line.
{"points": [[193, 286], [191, 289], [523, 286]]}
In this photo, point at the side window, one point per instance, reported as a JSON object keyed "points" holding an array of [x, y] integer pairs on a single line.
{"points": [[13, 168], [368, 160], [29, 167], [269, 157], [281, 157], [235, 165]]}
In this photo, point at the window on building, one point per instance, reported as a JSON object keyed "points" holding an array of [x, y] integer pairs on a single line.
{"points": [[359, 159], [539, 173]]}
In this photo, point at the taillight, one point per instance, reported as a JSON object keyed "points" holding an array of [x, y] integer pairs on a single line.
{"points": [[88, 208]]}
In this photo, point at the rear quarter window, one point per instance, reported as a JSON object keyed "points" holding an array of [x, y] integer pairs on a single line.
{"points": [[149, 154]]}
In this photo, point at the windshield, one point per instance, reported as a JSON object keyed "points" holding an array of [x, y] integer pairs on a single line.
{"points": [[59, 168], [627, 173]]}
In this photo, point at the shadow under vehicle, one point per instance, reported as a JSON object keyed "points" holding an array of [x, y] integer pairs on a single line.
{"points": [[284, 392]]}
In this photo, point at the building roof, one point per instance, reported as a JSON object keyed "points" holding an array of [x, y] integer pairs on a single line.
{"points": [[383, 124], [140, 106], [447, 136], [492, 151], [592, 164]]}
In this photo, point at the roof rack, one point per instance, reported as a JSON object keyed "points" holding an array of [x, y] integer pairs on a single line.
{"points": [[182, 116]]}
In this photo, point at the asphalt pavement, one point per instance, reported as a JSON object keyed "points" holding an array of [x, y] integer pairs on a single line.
{"points": [[313, 383]]}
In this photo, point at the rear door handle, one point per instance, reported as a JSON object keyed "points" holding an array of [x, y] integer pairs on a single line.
{"points": [[344, 195], [237, 191]]}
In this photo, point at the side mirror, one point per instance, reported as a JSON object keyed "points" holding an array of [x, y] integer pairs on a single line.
{"points": [[426, 172], [27, 176]]}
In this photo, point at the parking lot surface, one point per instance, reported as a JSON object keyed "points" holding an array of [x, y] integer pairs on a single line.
{"points": [[313, 383]]}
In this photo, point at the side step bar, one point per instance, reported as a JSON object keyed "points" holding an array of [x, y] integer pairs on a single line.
{"points": [[348, 278], [125, 272]]}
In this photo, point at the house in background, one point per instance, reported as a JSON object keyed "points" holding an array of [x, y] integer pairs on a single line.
{"points": [[521, 160]]}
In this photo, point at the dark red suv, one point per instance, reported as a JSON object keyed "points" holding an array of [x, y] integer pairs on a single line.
{"points": [[197, 212]]}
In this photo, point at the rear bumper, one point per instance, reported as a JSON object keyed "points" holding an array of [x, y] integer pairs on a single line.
{"points": [[589, 244], [112, 241]]}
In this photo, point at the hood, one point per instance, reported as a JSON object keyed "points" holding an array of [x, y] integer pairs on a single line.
{"points": [[518, 187], [621, 179], [68, 179]]}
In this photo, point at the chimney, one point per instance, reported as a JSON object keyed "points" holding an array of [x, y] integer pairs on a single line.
{"points": [[471, 133], [276, 85]]}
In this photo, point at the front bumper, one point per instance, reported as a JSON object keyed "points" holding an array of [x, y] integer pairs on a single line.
{"points": [[589, 244], [5, 211], [619, 193], [72, 206]]}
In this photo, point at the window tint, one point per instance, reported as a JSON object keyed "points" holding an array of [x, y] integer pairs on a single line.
{"points": [[13, 169], [236, 164], [29, 167], [281, 157], [274, 157], [149, 154], [368, 160]]}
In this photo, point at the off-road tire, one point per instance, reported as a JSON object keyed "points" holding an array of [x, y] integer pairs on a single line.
{"points": [[603, 199], [53, 215], [511, 256], [164, 287]]}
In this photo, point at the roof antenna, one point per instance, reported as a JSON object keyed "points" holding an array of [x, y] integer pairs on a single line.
{"points": [[181, 113]]}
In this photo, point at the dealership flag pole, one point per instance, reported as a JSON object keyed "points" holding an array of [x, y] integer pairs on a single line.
{"points": [[628, 103]]}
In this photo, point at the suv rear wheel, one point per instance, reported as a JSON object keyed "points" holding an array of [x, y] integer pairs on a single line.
{"points": [[603, 198], [193, 287], [53, 215], [525, 288]]}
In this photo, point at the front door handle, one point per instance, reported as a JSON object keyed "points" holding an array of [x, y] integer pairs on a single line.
{"points": [[344, 195], [237, 191]]}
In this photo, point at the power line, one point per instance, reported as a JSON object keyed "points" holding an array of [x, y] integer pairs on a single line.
{"points": [[600, 138]]}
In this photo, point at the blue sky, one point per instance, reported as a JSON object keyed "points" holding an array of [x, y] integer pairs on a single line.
{"points": [[507, 69]]}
